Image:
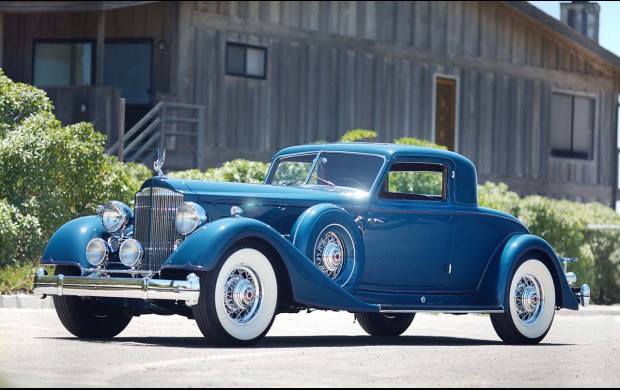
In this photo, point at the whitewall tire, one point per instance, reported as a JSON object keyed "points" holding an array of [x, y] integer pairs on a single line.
{"points": [[238, 299], [532, 303]]}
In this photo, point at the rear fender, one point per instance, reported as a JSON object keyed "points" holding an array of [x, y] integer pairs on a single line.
{"points": [[494, 288], [206, 247]]}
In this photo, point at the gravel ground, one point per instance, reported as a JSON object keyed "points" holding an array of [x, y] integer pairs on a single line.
{"points": [[319, 349]]}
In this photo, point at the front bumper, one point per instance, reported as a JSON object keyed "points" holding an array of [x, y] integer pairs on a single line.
{"points": [[133, 288]]}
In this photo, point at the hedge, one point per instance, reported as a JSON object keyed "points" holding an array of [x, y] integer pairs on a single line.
{"points": [[20, 236], [49, 173]]}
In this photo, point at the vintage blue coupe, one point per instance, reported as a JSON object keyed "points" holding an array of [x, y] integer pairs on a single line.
{"points": [[379, 230]]}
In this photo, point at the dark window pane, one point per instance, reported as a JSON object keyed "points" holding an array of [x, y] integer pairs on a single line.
{"points": [[235, 60], [62, 64], [561, 124], [128, 66], [583, 127]]}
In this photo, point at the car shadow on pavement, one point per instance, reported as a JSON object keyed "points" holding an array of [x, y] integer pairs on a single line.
{"points": [[281, 342]]}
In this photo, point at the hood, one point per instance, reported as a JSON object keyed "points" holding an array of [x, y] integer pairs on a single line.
{"points": [[278, 206], [214, 191]]}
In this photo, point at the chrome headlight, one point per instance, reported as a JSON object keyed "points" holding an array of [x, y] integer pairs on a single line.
{"points": [[190, 217], [115, 216], [96, 251], [131, 253]]}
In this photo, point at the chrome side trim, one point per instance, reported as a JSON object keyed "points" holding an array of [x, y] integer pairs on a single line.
{"points": [[144, 288], [442, 311]]}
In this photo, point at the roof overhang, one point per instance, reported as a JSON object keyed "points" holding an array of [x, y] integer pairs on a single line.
{"points": [[542, 18], [66, 6]]}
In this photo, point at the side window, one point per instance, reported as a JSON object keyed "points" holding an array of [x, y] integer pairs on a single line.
{"points": [[415, 181]]}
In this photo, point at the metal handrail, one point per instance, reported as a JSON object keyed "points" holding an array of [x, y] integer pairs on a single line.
{"points": [[140, 140], [154, 111]]}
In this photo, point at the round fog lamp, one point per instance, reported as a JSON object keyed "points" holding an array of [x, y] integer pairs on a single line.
{"points": [[131, 253], [96, 251], [190, 216]]}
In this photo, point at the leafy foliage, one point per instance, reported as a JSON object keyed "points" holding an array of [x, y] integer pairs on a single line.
{"points": [[359, 135], [16, 279], [59, 173], [418, 142], [242, 171], [18, 102], [20, 236], [499, 197]]}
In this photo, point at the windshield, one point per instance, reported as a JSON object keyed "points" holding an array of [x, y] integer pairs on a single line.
{"points": [[330, 169]]}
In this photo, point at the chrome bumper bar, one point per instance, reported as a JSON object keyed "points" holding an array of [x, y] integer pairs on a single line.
{"points": [[145, 288]]}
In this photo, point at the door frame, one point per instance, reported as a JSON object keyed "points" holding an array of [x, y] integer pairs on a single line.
{"points": [[457, 93]]}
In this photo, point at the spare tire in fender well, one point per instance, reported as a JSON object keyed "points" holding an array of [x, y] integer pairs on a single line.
{"points": [[314, 221]]}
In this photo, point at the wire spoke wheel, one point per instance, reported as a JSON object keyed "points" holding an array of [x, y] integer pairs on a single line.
{"points": [[242, 295], [529, 299], [330, 254]]}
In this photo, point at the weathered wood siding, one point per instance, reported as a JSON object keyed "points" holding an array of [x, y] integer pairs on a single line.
{"points": [[336, 66], [155, 21]]}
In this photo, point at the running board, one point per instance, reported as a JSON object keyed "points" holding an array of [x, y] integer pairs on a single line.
{"points": [[446, 310]]}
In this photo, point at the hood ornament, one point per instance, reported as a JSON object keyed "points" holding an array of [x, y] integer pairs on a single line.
{"points": [[159, 163]]}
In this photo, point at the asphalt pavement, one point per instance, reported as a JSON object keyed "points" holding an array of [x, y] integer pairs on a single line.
{"points": [[318, 349]]}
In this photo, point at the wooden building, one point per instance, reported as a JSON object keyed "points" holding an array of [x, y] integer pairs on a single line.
{"points": [[532, 101]]}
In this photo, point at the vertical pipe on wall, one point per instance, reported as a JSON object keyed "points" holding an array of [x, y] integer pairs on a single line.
{"points": [[1, 39], [121, 129], [100, 48]]}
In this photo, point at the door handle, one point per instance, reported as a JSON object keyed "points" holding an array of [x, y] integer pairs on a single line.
{"points": [[375, 220]]}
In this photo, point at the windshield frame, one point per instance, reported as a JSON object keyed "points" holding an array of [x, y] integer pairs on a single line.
{"points": [[316, 160]]}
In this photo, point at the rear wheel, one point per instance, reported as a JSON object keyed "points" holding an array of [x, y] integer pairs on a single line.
{"points": [[384, 325], [531, 306], [87, 319], [238, 299]]}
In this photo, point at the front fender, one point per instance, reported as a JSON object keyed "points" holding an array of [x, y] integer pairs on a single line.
{"points": [[205, 248], [68, 245], [494, 289]]}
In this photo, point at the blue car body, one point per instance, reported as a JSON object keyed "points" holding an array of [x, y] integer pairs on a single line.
{"points": [[412, 255]]}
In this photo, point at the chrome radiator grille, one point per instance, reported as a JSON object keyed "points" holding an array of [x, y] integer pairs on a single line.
{"points": [[154, 228]]}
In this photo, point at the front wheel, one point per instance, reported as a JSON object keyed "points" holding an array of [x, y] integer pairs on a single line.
{"points": [[88, 319], [238, 299], [531, 305], [384, 325]]}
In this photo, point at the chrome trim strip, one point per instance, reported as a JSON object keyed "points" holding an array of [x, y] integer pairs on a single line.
{"points": [[144, 288]]}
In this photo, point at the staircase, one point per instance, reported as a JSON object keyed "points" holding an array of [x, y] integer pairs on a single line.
{"points": [[178, 128]]}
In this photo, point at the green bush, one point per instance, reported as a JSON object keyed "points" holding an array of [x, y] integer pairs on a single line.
{"points": [[359, 135], [20, 237], [240, 171], [18, 102], [59, 173], [567, 227], [498, 197], [418, 142]]}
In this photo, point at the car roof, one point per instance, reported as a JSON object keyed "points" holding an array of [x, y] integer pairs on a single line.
{"points": [[465, 176]]}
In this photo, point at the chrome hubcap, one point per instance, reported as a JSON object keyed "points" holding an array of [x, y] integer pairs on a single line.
{"points": [[529, 299], [330, 254], [242, 295]]}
